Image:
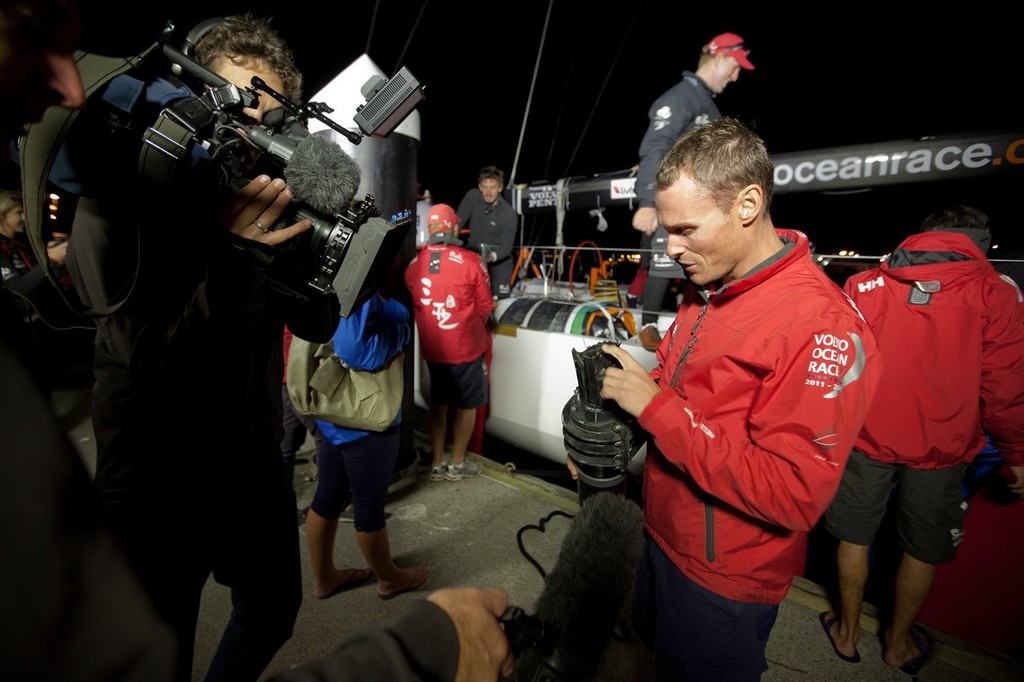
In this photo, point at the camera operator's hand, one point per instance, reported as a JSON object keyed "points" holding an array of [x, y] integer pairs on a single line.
{"points": [[631, 387], [484, 651], [256, 207]]}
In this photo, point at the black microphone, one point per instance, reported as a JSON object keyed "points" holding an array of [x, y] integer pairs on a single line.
{"points": [[584, 595], [322, 175]]}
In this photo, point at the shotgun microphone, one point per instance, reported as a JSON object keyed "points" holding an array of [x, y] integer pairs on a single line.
{"points": [[584, 596]]}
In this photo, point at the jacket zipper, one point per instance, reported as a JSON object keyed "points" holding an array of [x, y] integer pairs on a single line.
{"points": [[709, 510]]}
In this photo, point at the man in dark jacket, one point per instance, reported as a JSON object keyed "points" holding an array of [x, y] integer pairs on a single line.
{"points": [[688, 103], [491, 222]]}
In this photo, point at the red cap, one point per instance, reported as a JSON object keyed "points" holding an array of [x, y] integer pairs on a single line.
{"points": [[732, 45], [441, 218]]}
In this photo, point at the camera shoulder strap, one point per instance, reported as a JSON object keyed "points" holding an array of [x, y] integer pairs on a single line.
{"points": [[38, 149]]}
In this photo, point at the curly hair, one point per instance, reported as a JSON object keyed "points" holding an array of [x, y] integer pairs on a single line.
{"points": [[246, 38], [492, 173]]}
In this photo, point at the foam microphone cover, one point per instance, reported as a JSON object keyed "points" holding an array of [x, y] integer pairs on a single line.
{"points": [[585, 594], [322, 175]]}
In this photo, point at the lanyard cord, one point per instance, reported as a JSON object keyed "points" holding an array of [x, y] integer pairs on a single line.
{"points": [[689, 344]]}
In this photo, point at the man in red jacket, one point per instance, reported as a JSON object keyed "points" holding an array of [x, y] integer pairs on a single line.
{"points": [[762, 383], [951, 333], [452, 305]]}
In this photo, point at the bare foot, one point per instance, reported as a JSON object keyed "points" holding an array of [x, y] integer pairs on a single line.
{"points": [[341, 580], [410, 579]]}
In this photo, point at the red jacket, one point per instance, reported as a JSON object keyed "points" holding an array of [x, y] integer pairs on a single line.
{"points": [[749, 443], [954, 358], [451, 301]]}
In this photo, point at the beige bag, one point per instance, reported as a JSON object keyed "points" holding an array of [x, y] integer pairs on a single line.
{"points": [[321, 386]]}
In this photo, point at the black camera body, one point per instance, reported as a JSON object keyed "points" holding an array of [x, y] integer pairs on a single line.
{"points": [[349, 249]]}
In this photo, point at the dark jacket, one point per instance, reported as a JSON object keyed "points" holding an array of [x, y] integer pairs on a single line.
{"points": [[686, 104], [494, 225]]}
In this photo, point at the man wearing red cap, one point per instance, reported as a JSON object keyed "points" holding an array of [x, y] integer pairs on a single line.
{"points": [[688, 103], [452, 303]]}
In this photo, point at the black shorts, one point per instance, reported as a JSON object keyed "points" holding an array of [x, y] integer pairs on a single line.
{"points": [[930, 506], [464, 386]]}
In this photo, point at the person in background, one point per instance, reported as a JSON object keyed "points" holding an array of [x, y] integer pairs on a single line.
{"points": [[73, 566], [491, 222], [688, 103], [452, 305], [18, 264], [356, 466], [42, 310], [951, 334], [761, 386], [297, 427]]}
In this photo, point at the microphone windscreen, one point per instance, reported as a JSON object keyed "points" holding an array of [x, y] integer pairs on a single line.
{"points": [[585, 594], [322, 175]]}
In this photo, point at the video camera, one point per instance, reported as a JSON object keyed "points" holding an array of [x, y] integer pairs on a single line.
{"points": [[212, 127]]}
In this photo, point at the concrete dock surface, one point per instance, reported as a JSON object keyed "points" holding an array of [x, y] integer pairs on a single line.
{"points": [[494, 530]]}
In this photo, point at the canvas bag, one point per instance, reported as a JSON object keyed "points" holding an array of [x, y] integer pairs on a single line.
{"points": [[322, 387]]}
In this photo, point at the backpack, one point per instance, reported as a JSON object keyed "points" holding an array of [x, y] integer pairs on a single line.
{"points": [[43, 159]]}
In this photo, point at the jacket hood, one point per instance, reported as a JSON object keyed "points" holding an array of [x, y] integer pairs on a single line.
{"points": [[936, 255]]}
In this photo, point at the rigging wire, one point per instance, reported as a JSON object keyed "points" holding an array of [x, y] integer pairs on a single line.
{"points": [[522, 220], [373, 21], [405, 48], [604, 86], [529, 98], [408, 40]]}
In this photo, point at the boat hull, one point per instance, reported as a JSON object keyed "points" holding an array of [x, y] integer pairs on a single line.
{"points": [[532, 373]]}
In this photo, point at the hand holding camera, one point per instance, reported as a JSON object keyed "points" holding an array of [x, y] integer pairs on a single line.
{"points": [[256, 207]]}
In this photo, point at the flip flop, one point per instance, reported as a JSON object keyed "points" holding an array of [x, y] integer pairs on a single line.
{"points": [[914, 665], [826, 625], [357, 577], [418, 578]]}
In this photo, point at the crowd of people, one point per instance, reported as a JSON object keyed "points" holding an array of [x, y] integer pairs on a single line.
{"points": [[765, 412]]}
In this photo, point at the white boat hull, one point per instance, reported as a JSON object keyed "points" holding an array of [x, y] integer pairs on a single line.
{"points": [[532, 377]]}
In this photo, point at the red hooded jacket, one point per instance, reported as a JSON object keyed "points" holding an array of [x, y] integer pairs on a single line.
{"points": [[759, 408], [951, 333]]}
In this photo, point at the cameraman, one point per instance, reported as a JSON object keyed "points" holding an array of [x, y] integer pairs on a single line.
{"points": [[187, 406]]}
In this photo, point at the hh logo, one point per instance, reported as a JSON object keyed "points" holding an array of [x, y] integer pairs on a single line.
{"points": [[870, 284]]}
